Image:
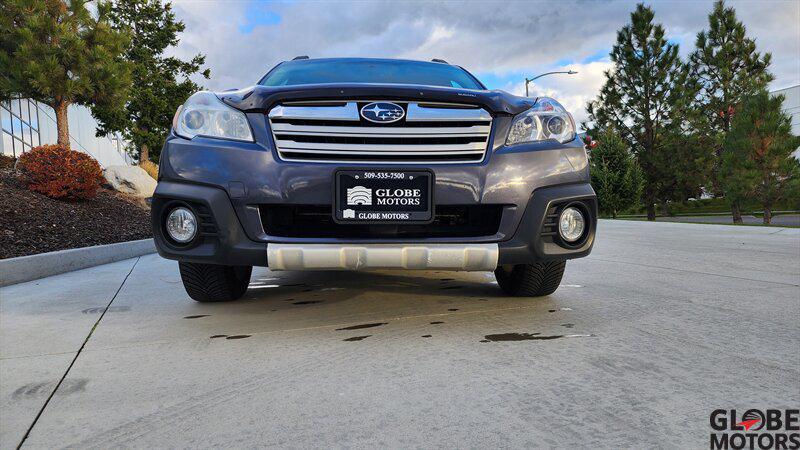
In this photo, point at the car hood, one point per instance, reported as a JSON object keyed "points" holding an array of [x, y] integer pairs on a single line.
{"points": [[263, 98]]}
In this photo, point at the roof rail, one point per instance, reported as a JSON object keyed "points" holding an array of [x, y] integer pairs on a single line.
{"points": [[300, 57], [439, 61]]}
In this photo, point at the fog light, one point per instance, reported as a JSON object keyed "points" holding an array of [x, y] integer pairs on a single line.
{"points": [[571, 224], [181, 225]]}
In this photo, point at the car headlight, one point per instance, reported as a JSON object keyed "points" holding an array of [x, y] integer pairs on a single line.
{"points": [[546, 119], [205, 115]]}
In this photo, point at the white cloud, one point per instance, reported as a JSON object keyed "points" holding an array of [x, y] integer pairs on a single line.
{"points": [[503, 41]]}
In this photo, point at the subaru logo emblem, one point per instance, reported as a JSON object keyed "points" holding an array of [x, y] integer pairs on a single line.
{"points": [[382, 112]]}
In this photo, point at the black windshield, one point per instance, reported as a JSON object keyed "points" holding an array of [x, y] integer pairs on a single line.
{"points": [[325, 71]]}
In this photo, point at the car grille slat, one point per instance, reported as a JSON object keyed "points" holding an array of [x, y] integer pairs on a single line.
{"points": [[333, 131]]}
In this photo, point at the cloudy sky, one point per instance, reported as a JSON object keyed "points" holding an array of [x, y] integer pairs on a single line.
{"points": [[500, 42]]}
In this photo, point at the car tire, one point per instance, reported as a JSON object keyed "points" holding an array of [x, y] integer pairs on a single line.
{"points": [[214, 283], [530, 280]]}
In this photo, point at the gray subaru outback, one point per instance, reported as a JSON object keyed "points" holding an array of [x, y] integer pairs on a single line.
{"points": [[356, 164]]}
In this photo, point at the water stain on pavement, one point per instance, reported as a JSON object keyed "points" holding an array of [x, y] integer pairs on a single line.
{"points": [[436, 323], [511, 337], [238, 336], [68, 386], [218, 336], [356, 338], [362, 326], [453, 309], [426, 335], [307, 302], [197, 316], [504, 337], [100, 309]]}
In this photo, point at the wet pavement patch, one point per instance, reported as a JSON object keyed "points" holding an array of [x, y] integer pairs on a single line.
{"points": [[453, 309], [426, 335], [238, 336], [362, 326], [218, 336], [436, 323], [511, 337], [307, 302], [197, 316], [356, 338], [506, 337], [68, 386], [100, 309]]}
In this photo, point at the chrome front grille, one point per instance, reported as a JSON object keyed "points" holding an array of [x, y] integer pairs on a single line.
{"points": [[333, 131]]}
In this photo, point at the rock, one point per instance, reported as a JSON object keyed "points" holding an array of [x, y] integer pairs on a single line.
{"points": [[130, 180]]}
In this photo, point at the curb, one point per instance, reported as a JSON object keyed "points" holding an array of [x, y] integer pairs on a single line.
{"points": [[32, 267]]}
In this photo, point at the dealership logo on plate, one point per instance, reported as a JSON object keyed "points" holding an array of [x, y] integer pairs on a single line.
{"points": [[359, 195], [382, 112]]}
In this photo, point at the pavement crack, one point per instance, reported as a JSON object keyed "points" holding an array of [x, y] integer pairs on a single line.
{"points": [[75, 358]]}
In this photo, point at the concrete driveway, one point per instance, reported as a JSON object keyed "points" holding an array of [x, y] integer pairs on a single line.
{"points": [[662, 324]]}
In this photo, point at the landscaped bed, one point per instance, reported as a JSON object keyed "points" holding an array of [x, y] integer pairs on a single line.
{"points": [[32, 223]]}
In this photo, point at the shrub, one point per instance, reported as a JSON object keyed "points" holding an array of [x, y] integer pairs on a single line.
{"points": [[7, 162], [616, 176], [151, 168], [61, 173]]}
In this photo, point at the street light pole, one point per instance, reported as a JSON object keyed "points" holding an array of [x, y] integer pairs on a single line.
{"points": [[528, 80]]}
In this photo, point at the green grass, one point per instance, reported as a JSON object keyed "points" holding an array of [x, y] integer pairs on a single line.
{"points": [[714, 205], [772, 225]]}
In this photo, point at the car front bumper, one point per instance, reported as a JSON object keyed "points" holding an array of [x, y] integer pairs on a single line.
{"points": [[226, 183]]}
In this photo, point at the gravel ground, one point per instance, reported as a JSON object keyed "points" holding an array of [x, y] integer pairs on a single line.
{"points": [[31, 223]]}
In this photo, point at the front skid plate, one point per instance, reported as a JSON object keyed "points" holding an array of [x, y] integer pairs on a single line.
{"points": [[471, 257]]}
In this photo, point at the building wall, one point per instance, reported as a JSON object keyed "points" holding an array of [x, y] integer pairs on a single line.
{"points": [[27, 123]]}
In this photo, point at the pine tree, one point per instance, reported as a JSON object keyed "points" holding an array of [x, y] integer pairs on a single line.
{"points": [[616, 177], [58, 53], [757, 158], [729, 69], [163, 83], [645, 97]]}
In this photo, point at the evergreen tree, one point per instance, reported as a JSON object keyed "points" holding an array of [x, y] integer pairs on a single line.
{"points": [[163, 83], [58, 53], [616, 177], [757, 159], [729, 69], [645, 98]]}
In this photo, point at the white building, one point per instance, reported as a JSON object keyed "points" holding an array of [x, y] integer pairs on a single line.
{"points": [[27, 123]]}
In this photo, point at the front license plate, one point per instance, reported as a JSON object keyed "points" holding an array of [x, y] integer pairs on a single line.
{"points": [[383, 196]]}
